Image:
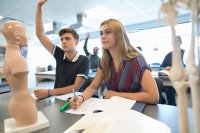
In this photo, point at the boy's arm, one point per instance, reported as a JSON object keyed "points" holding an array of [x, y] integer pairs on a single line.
{"points": [[68, 89], [39, 28]]}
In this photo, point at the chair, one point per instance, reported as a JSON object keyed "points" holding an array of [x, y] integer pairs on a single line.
{"points": [[159, 83]]}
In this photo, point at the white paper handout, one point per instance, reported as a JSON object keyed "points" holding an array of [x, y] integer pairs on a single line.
{"points": [[128, 121], [135, 122], [102, 122], [105, 105], [88, 106], [67, 96], [117, 104]]}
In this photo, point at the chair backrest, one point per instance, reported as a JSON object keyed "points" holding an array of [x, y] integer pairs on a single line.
{"points": [[159, 83]]}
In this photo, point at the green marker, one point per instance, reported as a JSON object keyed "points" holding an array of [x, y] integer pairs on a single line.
{"points": [[64, 106]]}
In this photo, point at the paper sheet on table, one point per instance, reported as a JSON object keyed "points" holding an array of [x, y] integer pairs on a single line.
{"points": [[88, 106], [117, 103], [132, 121], [106, 105], [129, 121], [66, 96], [102, 122]]}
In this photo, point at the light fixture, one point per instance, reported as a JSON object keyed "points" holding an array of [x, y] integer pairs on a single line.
{"points": [[102, 13], [1, 17]]}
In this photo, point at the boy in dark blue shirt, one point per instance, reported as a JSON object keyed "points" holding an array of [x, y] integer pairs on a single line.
{"points": [[166, 64], [71, 68]]}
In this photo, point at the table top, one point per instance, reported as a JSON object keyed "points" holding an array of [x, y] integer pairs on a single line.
{"points": [[60, 121]]}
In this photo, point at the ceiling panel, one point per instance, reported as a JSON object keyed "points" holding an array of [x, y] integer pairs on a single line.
{"points": [[65, 8], [104, 2], [25, 13]]}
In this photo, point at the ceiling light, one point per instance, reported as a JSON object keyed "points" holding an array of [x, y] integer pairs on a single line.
{"points": [[1, 17], [48, 26], [102, 13]]}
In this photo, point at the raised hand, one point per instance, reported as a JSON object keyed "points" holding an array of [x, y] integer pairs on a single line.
{"points": [[41, 2], [87, 34]]}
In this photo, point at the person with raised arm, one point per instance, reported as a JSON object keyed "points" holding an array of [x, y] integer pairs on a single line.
{"points": [[94, 58], [71, 68]]}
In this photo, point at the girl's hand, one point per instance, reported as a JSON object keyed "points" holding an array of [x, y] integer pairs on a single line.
{"points": [[109, 94], [76, 103]]}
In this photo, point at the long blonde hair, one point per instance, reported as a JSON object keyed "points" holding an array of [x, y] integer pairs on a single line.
{"points": [[124, 49]]}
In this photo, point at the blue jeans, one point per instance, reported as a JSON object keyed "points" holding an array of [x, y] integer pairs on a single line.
{"points": [[170, 94]]}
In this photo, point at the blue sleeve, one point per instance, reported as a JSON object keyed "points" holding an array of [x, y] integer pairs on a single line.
{"points": [[85, 47]]}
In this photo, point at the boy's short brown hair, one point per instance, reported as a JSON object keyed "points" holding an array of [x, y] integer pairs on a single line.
{"points": [[69, 30]]}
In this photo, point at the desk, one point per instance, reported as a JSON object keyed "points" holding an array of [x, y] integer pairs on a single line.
{"points": [[1, 77], [165, 79], [59, 122], [46, 75]]}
